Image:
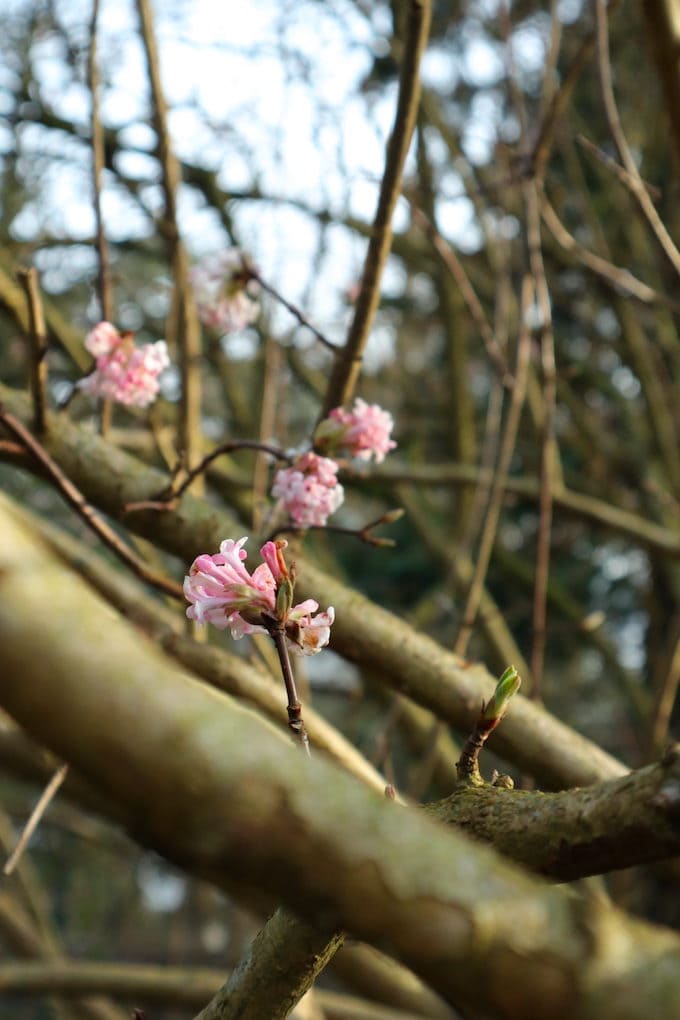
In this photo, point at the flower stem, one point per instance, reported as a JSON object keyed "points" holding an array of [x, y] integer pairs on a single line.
{"points": [[294, 708]]}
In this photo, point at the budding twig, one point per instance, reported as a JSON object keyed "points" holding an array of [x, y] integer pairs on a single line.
{"points": [[490, 716]]}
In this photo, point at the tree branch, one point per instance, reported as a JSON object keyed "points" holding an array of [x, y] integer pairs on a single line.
{"points": [[188, 329], [416, 665], [348, 360], [575, 833], [162, 986], [234, 801]]}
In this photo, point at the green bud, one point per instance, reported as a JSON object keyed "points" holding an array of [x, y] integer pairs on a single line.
{"points": [[393, 515], [284, 599], [506, 688]]}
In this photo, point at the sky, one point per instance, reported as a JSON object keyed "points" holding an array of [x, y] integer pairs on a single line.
{"points": [[268, 92]]}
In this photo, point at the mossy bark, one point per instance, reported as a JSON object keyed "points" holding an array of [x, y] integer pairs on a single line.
{"points": [[222, 793]]}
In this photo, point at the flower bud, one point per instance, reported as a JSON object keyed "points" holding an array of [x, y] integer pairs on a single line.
{"points": [[506, 688]]}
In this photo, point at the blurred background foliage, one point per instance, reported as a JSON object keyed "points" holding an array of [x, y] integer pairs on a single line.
{"points": [[279, 114]]}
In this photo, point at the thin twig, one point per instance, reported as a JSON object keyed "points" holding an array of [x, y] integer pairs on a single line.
{"points": [[98, 164], [559, 101], [507, 447], [475, 590], [455, 267], [44, 801], [271, 399], [28, 278], [665, 699], [615, 167], [294, 708], [186, 320], [548, 452], [363, 534], [622, 279], [293, 309], [349, 358], [634, 181], [167, 500], [581, 505], [88, 513]]}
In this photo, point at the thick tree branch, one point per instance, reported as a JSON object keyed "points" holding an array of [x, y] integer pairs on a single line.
{"points": [[227, 672], [282, 958], [531, 738], [172, 987], [221, 793], [575, 833]]}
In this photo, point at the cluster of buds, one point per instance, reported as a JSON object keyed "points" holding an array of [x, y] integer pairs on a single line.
{"points": [[364, 432], [309, 490], [222, 592], [224, 289], [123, 372]]}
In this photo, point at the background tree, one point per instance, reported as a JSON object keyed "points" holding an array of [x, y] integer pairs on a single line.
{"points": [[522, 331]]}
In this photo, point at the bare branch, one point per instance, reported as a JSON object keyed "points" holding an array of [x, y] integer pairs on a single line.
{"points": [[38, 346], [348, 360], [633, 180], [85, 510], [188, 330]]}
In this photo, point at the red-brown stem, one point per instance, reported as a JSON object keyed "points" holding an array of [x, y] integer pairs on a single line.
{"points": [[294, 708], [229, 447], [467, 765]]}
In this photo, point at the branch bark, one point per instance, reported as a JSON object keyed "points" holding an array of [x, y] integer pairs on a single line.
{"points": [[412, 663], [221, 793], [575, 833]]}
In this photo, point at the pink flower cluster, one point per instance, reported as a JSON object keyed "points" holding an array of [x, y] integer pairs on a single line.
{"points": [[123, 372], [222, 592], [364, 432], [223, 290], [309, 490]]}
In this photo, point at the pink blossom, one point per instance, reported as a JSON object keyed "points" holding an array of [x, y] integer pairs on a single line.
{"points": [[102, 339], [220, 586], [222, 592], [123, 372], [363, 432], [309, 490], [308, 634], [223, 290]]}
